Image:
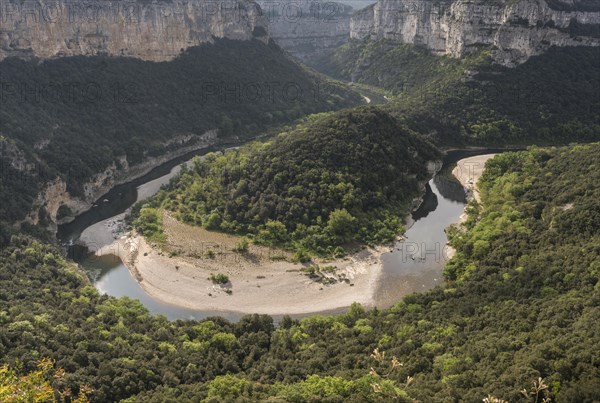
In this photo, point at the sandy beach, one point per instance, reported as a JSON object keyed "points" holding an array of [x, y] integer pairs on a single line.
{"points": [[260, 281], [468, 171]]}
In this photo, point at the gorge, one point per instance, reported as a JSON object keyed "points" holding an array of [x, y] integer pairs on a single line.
{"points": [[312, 248]]}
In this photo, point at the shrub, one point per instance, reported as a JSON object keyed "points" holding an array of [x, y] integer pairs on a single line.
{"points": [[149, 224], [219, 278], [302, 256], [242, 245], [63, 211]]}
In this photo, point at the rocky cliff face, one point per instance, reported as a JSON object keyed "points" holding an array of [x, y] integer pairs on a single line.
{"points": [[150, 30], [516, 29], [56, 195], [308, 28]]}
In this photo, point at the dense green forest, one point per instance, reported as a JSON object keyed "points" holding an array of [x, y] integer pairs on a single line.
{"points": [[551, 98], [518, 312], [340, 178], [73, 117]]}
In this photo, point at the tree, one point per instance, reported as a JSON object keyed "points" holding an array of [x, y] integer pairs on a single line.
{"points": [[4, 234], [342, 224], [480, 248], [226, 125], [227, 387], [36, 386], [274, 233], [213, 221], [223, 341]]}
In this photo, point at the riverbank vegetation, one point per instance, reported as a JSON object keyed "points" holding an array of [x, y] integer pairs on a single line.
{"points": [[342, 178], [520, 303]]}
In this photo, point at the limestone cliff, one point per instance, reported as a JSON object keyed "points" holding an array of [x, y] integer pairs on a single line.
{"points": [[155, 30], [516, 29], [307, 28]]}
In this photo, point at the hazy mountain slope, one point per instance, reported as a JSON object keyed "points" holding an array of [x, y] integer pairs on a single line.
{"points": [[307, 28]]}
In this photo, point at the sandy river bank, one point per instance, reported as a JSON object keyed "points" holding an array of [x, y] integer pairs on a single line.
{"points": [[469, 170], [260, 280]]}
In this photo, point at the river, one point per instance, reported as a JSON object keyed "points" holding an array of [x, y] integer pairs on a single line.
{"points": [[412, 265]]}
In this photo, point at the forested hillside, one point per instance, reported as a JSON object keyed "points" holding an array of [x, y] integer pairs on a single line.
{"points": [[73, 117], [516, 318], [551, 98], [519, 312], [344, 177]]}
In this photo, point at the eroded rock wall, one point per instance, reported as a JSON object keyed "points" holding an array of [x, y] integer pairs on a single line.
{"points": [[516, 30], [149, 30], [307, 29]]}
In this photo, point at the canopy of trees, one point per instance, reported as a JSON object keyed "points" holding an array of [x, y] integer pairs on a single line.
{"points": [[349, 176], [525, 309], [551, 98], [73, 117]]}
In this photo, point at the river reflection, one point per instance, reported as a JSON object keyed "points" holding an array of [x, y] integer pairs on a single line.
{"points": [[416, 263], [450, 188]]}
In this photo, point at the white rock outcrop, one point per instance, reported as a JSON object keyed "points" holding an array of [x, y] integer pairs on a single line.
{"points": [[307, 28], [516, 29], [149, 30]]}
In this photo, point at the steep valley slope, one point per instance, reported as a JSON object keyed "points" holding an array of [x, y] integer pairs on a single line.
{"points": [[77, 120]]}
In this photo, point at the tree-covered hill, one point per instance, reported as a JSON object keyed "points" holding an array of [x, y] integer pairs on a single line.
{"points": [[551, 98], [518, 312], [344, 177], [74, 116]]}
